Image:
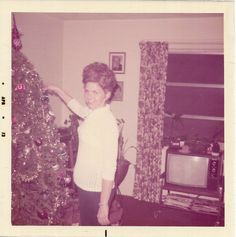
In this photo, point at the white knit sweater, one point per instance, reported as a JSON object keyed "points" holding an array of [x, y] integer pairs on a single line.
{"points": [[98, 146]]}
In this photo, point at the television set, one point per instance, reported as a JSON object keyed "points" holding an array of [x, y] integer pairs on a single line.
{"points": [[192, 172]]}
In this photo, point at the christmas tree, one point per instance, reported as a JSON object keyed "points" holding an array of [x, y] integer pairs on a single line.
{"points": [[40, 181]]}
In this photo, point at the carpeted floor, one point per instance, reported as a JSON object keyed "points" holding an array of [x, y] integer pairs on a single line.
{"points": [[140, 213]]}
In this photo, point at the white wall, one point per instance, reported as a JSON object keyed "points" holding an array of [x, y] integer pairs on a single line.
{"points": [[89, 41], [42, 45], [59, 51]]}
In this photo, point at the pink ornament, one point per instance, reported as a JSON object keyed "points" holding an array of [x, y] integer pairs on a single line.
{"points": [[43, 215], [27, 131], [38, 142], [14, 120], [67, 180], [16, 42], [50, 117], [55, 167], [20, 87]]}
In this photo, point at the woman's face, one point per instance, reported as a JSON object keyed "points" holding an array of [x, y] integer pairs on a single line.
{"points": [[94, 95]]}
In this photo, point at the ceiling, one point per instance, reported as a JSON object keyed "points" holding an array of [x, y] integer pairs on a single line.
{"points": [[126, 16]]}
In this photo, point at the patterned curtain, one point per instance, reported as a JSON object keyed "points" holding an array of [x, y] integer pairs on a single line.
{"points": [[152, 87]]}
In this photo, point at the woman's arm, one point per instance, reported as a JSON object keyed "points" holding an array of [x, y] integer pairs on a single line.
{"points": [[109, 142], [63, 95], [103, 210], [72, 103]]}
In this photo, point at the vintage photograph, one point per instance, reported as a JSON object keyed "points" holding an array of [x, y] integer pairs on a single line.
{"points": [[118, 96], [117, 62], [175, 163], [83, 154]]}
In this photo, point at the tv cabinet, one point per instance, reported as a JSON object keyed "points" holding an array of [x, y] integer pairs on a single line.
{"points": [[195, 199]]}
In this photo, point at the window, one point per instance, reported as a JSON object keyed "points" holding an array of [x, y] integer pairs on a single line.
{"points": [[194, 103]]}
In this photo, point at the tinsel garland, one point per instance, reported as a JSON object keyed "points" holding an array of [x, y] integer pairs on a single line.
{"points": [[39, 160]]}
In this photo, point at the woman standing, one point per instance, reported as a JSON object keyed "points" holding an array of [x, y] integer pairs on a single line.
{"points": [[95, 165]]}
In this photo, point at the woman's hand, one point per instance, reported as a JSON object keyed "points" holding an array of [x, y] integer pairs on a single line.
{"points": [[54, 90], [102, 215], [51, 89]]}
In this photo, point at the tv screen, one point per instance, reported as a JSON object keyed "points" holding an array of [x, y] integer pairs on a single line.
{"points": [[186, 170]]}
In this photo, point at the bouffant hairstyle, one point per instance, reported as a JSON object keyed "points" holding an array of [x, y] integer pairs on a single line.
{"points": [[103, 75]]}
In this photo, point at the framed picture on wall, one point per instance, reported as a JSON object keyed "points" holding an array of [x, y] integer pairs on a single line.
{"points": [[118, 96], [117, 62]]}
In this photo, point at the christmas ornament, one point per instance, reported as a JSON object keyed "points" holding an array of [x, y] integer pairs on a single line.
{"points": [[38, 141], [39, 168], [68, 191], [27, 178], [45, 194], [14, 120], [51, 113], [43, 214], [16, 42], [62, 156], [67, 179], [14, 140], [22, 194], [62, 146], [62, 151], [27, 131], [55, 167], [29, 100], [27, 150], [45, 98], [20, 87], [50, 117]]}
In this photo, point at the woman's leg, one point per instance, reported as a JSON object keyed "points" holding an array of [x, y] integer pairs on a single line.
{"points": [[88, 207]]}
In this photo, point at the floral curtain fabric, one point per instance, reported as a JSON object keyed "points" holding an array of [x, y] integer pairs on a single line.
{"points": [[152, 87]]}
